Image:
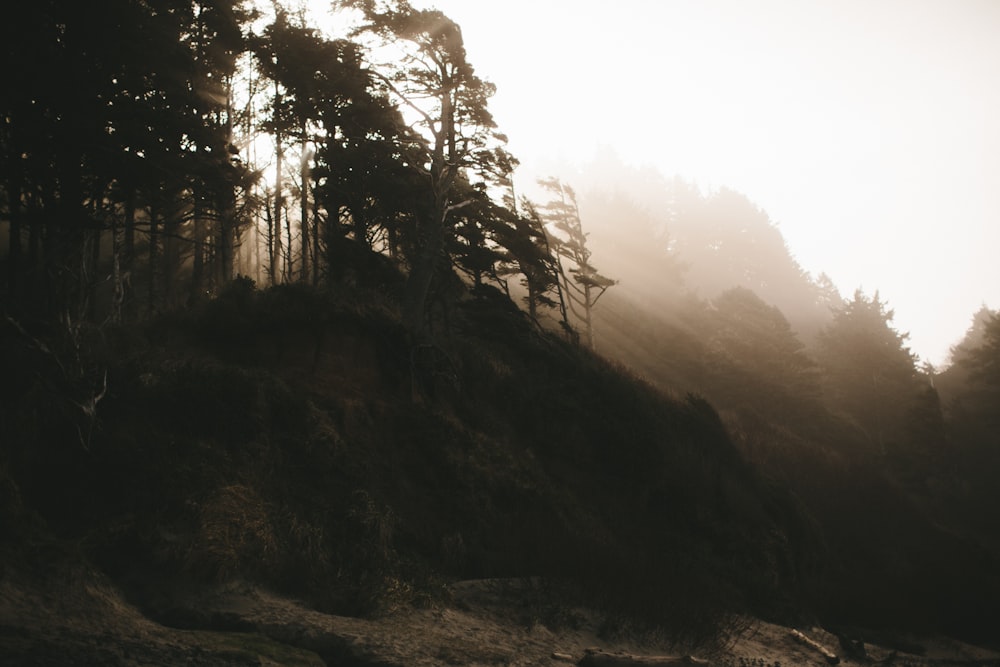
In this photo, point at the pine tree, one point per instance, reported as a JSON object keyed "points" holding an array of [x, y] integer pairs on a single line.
{"points": [[569, 245]]}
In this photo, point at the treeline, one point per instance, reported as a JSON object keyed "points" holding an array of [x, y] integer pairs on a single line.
{"points": [[152, 152], [894, 459], [712, 300]]}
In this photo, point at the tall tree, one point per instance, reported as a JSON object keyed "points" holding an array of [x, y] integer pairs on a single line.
{"points": [[101, 124], [869, 373], [436, 82]]}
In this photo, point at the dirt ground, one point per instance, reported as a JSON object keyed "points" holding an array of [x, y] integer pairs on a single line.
{"points": [[84, 620]]}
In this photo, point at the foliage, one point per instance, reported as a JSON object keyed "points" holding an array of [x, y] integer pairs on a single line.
{"points": [[869, 372], [313, 471], [569, 246], [756, 361], [383, 415]]}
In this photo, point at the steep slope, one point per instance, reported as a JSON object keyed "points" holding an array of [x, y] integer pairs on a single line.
{"points": [[298, 440]]}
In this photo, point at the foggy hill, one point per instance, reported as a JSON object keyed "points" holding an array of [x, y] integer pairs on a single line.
{"points": [[274, 316]]}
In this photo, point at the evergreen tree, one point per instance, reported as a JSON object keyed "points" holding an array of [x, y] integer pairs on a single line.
{"points": [[587, 285], [868, 371], [101, 128], [756, 361], [436, 83]]}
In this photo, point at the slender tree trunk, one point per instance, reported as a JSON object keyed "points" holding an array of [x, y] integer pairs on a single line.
{"points": [[227, 227], [198, 242], [256, 250], [289, 268], [272, 258], [315, 243], [421, 276], [278, 156], [226, 241], [304, 208]]}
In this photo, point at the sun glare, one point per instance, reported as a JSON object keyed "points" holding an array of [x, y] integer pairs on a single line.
{"points": [[836, 118]]}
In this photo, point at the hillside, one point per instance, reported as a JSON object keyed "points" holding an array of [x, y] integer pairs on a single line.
{"points": [[294, 443], [293, 439]]}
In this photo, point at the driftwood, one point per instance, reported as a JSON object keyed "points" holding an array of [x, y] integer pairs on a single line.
{"points": [[598, 658], [830, 656]]}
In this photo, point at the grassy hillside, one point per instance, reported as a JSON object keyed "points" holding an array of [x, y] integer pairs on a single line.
{"points": [[298, 439]]}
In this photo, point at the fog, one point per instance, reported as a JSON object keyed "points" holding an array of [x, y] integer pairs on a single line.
{"points": [[866, 132]]}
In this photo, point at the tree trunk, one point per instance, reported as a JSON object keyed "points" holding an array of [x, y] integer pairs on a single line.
{"points": [[304, 208], [278, 155], [226, 238], [418, 283], [289, 272], [315, 243], [271, 256]]}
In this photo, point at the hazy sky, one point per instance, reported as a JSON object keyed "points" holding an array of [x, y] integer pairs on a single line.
{"points": [[869, 130]]}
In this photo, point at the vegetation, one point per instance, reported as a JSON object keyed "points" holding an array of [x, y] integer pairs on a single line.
{"points": [[261, 321]]}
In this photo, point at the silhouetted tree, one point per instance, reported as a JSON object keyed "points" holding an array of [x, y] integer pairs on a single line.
{"points": [[868, 371], [438, 84], [976, 369], [587, 285], [101, 129]]}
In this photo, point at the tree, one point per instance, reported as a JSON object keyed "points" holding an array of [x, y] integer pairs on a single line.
{"points": [[435, 81], [529, 253], [587, 286], [755, 360], [977, 358], [101, 128], [868, 371]]}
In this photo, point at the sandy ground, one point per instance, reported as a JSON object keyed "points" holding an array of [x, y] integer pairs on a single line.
{"points": [[85, 621]]}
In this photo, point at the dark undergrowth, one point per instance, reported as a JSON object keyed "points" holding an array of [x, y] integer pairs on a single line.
{"points": [[299, 439]]}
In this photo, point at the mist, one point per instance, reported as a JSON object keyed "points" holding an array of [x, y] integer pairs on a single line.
{"points": [[337, 333]]}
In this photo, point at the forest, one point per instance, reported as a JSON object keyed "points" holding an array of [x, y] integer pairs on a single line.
{"points": [[274, 307]]}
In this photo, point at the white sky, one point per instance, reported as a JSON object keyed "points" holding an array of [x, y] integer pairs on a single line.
{"points": [[869, 130]]}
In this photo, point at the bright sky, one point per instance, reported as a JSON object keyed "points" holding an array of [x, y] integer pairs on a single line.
{"points": [[869, 130]]}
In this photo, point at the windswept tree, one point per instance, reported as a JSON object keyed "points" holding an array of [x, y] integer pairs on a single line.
{"points": [[437, 85], [562, 214], [528, 253]]}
